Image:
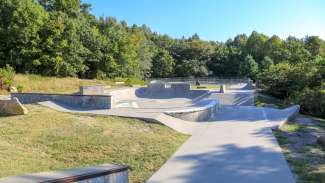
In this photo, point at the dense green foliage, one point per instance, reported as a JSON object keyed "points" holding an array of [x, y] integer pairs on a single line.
{"points": [[7, 75], [301, 83], [62, 38]]}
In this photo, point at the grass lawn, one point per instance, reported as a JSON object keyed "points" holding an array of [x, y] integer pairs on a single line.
{"points": [[303, 153], [46, 140]]}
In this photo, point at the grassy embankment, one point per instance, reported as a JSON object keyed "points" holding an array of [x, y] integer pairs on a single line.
{"points": [[36, 83], [46, 140]]}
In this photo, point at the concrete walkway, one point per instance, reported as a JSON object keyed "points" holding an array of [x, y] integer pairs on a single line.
{"points": [[237, 146]]}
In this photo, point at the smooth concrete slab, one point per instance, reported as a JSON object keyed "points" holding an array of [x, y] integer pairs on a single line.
{"points": [[231, 149]]}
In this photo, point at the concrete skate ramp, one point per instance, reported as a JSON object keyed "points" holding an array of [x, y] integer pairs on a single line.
{"points": [[158, 95]]}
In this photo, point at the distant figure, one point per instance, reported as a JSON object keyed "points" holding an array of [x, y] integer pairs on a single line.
{"points": [[197, 83], [222, 88]]}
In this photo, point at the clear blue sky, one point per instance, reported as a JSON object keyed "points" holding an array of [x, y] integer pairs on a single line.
{"points": [[219, 19]]}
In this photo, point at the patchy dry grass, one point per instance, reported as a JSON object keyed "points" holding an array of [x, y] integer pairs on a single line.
{"points": [[46, 140], [303, 153], [36, 83]]}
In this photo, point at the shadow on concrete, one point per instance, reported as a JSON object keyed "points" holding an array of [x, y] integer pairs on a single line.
{"points": [[232, 164]]}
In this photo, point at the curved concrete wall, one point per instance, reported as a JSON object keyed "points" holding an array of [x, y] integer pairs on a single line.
{"points": [[198, 114]]}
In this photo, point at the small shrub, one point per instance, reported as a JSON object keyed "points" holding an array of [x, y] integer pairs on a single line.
{"points": [[20, 88], [7, 75]]}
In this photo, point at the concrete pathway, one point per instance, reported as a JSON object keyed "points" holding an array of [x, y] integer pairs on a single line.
{"points": [[238, 147]]}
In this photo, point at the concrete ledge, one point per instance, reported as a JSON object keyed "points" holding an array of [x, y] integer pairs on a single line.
{"points": [[78, 101], [92, 90], [106, 173]]}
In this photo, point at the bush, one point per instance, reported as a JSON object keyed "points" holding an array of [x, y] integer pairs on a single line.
{"points": [[7, 75], [312, 101], [20, 88], [284, 79]]}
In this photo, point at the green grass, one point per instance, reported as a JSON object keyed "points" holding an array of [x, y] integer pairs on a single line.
{"points": [[45, 140], [289, 127]]}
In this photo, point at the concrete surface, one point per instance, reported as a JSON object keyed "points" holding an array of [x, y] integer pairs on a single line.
{"points": [[12, 106], [237, 147]]}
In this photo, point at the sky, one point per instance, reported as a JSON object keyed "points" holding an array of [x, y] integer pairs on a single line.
{"points": [[219, 20]]}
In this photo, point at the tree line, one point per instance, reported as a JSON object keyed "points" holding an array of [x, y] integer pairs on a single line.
{"points": [[62, 38]]}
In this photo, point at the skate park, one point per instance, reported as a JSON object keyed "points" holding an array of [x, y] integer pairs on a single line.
{"points": [[228, 133]]}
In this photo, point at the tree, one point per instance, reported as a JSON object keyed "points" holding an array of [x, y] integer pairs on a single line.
{"points": [[266, 63], [272, 48], [70, 7], [20, 25], [284, 79], [248, 67], [162, 64], [190, 68], [255, 45], [240, 41], [294, 51], [315, 46]]}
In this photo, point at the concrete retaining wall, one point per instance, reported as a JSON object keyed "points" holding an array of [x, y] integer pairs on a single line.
{"points": [[107, 173], [78, 101]]}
